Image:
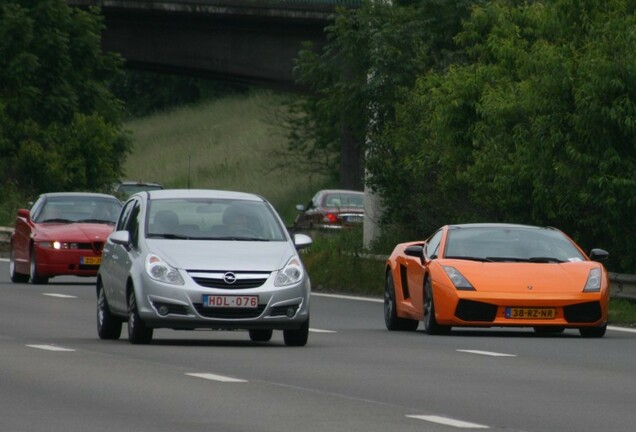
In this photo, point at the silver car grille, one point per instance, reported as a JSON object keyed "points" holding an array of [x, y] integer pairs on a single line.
{"points": [[231, 280]]}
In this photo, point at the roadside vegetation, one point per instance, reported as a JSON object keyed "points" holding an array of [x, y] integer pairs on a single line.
{"points": [[472, 110], [230, 143]]}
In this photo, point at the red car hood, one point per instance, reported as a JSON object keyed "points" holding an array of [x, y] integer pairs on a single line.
{"points": [[74, 232], [502, 277]]}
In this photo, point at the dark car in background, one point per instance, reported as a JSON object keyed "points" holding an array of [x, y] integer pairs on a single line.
{"points": [[125, 189], [331, 209]]}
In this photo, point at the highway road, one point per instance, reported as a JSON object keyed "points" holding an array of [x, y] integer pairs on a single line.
{"points": [[354, 375]]}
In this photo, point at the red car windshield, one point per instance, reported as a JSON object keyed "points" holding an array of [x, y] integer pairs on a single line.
{"points": [[78, 209]]}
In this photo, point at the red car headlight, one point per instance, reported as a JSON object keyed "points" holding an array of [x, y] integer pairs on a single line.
{"points": [[57, 245]]}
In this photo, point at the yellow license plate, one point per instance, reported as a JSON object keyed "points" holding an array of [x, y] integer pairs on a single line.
{"points": [[91, 260], [530, 313]]}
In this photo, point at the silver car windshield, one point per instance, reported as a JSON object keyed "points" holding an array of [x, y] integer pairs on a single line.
{"points": [[212, 219], [516, 244]]}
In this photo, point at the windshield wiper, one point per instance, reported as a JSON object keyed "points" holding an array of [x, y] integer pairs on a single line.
{"points": [[526, 260], [469, 258], [56, 220], [539, 259], [237, 238], [169, 236], [105, 221]]}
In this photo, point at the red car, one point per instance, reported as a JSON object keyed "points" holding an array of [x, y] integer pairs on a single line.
{"points": [[331, 209], [62, 234]]}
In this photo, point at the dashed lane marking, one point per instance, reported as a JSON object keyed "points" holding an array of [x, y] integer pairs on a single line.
{"points": [[488, 353], [448, 421], [214, 377], [50, 348]]}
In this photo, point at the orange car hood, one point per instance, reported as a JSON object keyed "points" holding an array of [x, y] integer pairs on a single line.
{"points": [[519, 277], [73, 232]]}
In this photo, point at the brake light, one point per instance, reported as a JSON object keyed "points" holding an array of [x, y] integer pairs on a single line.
{"points": [[330, 218]]}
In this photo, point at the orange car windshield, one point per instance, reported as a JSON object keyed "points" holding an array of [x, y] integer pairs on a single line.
{"points": [[516, 244]]}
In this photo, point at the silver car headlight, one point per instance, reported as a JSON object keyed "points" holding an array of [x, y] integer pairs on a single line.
{"points": [[290, 274], [593, 280], [458, 279], [160, 271]]}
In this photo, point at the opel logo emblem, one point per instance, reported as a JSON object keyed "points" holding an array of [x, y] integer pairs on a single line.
{"points": [[229, 278], [530, 287]]}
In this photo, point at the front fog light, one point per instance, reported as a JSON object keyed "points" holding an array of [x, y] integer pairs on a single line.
{"points": [[291, 311]]}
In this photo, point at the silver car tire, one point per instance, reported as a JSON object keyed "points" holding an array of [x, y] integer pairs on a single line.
{"points": [[261, 335], [138, 332], [297, 337], [108, 325]]}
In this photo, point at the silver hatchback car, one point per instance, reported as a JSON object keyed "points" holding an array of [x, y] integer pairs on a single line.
{"points": [[195, 259]]}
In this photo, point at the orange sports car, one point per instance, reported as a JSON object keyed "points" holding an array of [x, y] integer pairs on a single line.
{"points": [[491, 275]]}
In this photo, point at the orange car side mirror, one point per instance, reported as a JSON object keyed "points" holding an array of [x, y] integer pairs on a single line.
{"points": [[599, 255]]}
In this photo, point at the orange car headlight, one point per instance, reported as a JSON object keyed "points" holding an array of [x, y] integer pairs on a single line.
{"points": [[593, 283], [458, 279]]}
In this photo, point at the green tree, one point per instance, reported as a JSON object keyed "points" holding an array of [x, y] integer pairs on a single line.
{"points": [[372, 57], [60, 125], [536, 126]]}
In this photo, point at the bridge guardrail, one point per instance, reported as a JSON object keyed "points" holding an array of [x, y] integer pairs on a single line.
{"points": [[621, 285]]}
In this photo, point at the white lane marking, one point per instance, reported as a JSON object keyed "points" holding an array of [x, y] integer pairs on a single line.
{"points": [[448, 421], [622, 329], [58, 295], [313, 330], [214, 377], [487, 353], [348, 297], [50, 348]]}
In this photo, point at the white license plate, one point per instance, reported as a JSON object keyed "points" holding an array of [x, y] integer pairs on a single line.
{"points": [[230, 301], [353, 219]]}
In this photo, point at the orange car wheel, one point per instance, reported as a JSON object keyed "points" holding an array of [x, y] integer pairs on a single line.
{"points": [[430, 322], [391, 319], [593, 332]]}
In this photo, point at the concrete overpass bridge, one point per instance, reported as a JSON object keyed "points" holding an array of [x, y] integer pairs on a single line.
{"points": [[248, 41]]}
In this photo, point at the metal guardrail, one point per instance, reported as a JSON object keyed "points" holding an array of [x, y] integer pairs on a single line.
{"points": [[5, 234], [621, 285]]}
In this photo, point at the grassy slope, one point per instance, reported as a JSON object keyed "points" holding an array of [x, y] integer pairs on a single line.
{"points": [[228, 143]]}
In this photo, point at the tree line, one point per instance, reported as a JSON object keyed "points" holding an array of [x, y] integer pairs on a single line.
{"points": [[483, 111], [453, 111]]}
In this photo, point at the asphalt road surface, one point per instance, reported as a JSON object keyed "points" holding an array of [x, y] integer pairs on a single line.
{"points": [[354, 375]]}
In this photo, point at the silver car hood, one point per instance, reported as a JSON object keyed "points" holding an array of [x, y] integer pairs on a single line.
{"points": [[223, 255]]}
